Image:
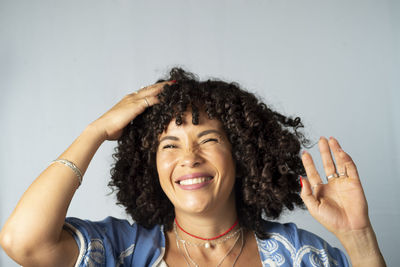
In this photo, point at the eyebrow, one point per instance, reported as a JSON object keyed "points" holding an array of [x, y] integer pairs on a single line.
{"points": [[168, 137], [203, 133]]}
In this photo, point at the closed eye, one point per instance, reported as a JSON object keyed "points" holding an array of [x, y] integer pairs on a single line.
{"points": [[209, 140], [169, 146]]}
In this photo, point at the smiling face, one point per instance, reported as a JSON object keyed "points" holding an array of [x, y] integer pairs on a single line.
{"points": [[195, 165]]}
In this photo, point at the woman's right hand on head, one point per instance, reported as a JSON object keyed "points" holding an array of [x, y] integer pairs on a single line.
{"points": [[111, 123], [34, 220]]}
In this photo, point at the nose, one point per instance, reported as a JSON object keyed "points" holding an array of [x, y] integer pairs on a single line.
{"points": [[191, 159]]}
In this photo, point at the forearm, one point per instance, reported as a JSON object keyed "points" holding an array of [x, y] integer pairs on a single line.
{"points": [[39, 215], [362, 248]]}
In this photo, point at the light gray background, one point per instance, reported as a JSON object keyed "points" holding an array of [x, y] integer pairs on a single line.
{"points": [[334, 63]]}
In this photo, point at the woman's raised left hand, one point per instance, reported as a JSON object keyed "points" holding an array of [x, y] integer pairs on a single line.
{"points": [[340, 204]]}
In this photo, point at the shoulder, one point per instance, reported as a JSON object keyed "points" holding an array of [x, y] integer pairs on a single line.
{"points": [[287, 243], [113, 241]]}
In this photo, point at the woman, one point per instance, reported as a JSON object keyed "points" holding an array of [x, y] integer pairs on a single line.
{"points": [[199, 167]]}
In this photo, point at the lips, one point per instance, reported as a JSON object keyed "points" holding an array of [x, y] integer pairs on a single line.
{"points": [[194, 181]]}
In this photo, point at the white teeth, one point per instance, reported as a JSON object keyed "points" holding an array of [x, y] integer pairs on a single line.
{"points": [[195, 180]]}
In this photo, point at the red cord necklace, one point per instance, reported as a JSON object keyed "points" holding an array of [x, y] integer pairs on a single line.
{"points": [[207, 239]]}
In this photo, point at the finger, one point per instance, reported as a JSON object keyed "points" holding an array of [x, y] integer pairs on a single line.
{"points": [[309, 166], [306, 194], [153, 89], [147, 101], [152, 100], [337, 151], [350, 166], [147, 91], [326, 156]]}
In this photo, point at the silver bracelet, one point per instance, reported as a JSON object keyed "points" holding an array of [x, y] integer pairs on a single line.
{"points": [[74, 168]]}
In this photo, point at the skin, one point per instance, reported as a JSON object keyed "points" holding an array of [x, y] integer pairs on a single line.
{"points": [[188, 149], [39, 216], [340, 205], [40, 213], [210, 210]]}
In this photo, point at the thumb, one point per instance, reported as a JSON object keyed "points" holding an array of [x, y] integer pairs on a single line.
{"points": [[307, 195]]}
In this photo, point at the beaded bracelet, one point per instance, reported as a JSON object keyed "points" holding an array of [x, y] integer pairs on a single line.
{"points": [[74, 168]]}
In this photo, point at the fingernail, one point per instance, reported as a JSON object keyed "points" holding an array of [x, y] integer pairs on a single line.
{"points": [[339, 150], [173, 81], [301, 181], [330, 137], [304, 152]]}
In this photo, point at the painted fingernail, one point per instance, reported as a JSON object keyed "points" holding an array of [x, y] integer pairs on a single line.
{"points": [[304, 152], [301, 181], [173, 81], [339, 150], [330, 137]]}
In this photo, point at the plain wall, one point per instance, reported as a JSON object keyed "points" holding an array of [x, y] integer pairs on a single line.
{"points": [[333, 63]]}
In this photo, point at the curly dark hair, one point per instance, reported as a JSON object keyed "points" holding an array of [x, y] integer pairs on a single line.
{"points": [[265, 148]]}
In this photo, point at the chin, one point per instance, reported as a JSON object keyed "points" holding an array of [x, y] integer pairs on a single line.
{"points": [[195, 206]]}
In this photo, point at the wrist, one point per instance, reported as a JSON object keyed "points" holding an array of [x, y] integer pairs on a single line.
{"points": [[96, 132], [362, 247]]}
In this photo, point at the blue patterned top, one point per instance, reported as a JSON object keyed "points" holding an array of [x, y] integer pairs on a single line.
{"points": [[116, 242]]}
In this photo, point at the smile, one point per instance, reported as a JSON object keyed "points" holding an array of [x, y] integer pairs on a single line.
{"points": [[195, 180]]}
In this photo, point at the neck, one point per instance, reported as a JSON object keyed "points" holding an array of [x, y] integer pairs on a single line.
{"points": [[206, 238], [206, 225]]}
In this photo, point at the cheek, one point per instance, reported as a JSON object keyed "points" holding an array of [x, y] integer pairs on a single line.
{"points": [[163, 173], [165, 164], [221, 157]]}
